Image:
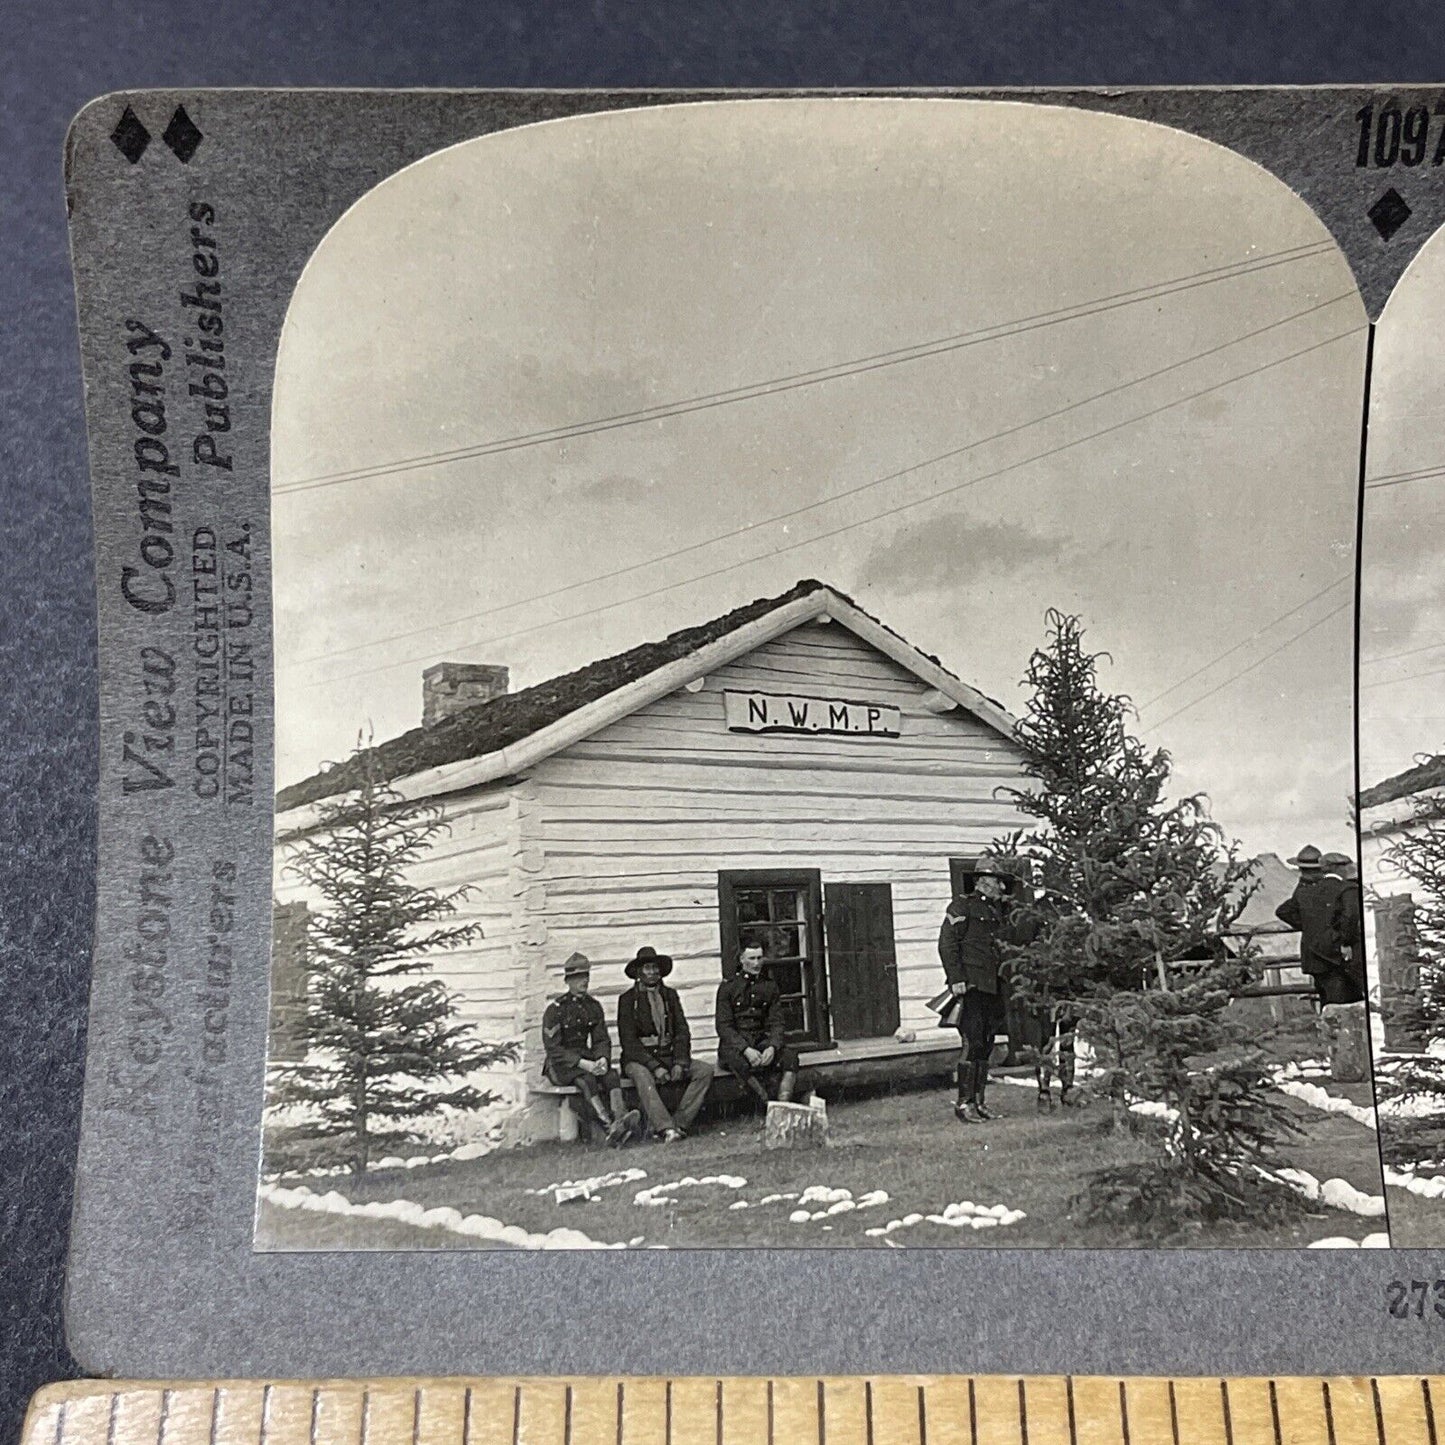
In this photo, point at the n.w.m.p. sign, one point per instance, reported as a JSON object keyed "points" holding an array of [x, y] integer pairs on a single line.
{"points": [[771, 712]]}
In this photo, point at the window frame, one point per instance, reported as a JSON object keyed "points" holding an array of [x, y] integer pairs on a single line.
{"points": [[810, 881]]}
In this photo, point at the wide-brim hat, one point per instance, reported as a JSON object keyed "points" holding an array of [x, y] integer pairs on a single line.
{"points": [[991, 868], [647, 954], [1308, 857], [578, 963], [1336, 860]]}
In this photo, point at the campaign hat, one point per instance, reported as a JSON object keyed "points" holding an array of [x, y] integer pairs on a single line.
{"points": [[577, 963], [1336, 860], [648, 954], [1308, 857]]}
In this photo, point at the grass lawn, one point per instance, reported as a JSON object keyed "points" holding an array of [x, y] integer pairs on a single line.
{"points": [[1415, 1223], [907, 1143]]}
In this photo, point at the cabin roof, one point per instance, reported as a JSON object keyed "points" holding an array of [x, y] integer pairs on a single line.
{"points": [[1274, 881], [490, 727], [1426, 774]]}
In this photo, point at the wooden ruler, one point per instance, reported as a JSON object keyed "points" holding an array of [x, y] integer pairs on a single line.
{"points": [[886, 1410]]}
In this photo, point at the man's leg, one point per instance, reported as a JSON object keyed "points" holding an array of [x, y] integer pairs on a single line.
{"points": [[625, 1122], [593, 1111], [786, 1062], [658, 1118], [974, 1021], [736, 1063], [994, 1014], [699, 1081]]}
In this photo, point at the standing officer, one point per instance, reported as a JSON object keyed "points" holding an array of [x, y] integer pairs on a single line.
{"points": [[1347, 923], [969, 948], [579, 1052], [750, 1029], [1308, 910], [657, 1046]]}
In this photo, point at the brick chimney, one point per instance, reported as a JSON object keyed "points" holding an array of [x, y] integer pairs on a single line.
{"points": [[452, 687]]}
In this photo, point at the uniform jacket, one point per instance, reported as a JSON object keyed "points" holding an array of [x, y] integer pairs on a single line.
{"points": [[749, 1012], [1347, 923], [1308, 909], [968, 942], [574, 1028], [637, 1028]]}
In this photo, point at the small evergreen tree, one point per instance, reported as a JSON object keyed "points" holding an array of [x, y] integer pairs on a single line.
{"points": [[1416, 1133], [382, 1053], [1125, 935]]}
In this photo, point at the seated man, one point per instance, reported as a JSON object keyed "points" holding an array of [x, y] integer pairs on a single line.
{"points": [[750, 1030], [579, 1052], [657, 1047]]}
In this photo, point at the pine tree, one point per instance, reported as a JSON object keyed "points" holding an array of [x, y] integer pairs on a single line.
{"points": [[1125, 935], [1417, 1130], [384, 1047]]}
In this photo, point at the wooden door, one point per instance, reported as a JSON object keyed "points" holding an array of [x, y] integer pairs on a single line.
{"points": [[862, 963]]}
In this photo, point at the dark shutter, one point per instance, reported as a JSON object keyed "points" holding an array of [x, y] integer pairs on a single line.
{"points": [[287, 1041], [862, 960]]}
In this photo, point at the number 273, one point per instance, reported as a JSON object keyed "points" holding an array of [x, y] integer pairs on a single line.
{"points": [[1405, 1299]]}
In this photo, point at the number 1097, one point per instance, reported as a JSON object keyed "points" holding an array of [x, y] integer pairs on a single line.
{"points": [[1391, 136]]}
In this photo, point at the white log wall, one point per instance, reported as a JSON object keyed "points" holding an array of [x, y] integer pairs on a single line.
{"points": [[629, 829]]}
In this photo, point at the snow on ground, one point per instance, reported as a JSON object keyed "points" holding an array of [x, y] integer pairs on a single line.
{"points": [[659, 1194], [477, 1226]]}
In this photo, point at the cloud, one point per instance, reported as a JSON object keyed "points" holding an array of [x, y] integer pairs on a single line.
{"points": [[937, 555]]}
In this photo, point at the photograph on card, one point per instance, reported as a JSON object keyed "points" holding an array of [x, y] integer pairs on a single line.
{"points": [[814, 694]]}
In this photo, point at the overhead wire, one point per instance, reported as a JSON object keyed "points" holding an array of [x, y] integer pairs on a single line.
{"points": [[794, 381], [902, 507], [656, 559]]}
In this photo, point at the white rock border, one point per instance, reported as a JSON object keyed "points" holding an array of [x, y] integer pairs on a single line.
{"points": [[964, 1214], [404, 1211], [659, 1194]]}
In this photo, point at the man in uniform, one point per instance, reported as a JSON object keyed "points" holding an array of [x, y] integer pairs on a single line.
{"points": [[969, 949], [750, 1030], [579, 1052], [657, 1046], [1308, 910], [1347, 923]]}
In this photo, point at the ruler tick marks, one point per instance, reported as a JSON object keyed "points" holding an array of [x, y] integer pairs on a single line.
{"points": [[619, 1413], [717, 1414], [516, 1415], [416, 1417], [266, 1415], [922, 1417], [867, 1412], [1329, 1411], [110, 1423], [1023, 1416], [1274, 1413], [165, 1416], [215, 1430], [1228, 1413], [59, 1423], [467, 1415], [972, 1413], [1379, 1412], [667, 1413], [822, 1414], [567, 1416], [1069, 1397], [1173, 1414], [1124, 1411], [1429, 1411], [315, 1417], [770, 1412], [365, 1415]]}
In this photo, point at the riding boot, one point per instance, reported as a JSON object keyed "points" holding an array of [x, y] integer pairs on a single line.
{"points": [[758, 1092], [980, 1086], [785, 1088], [1045, 1100], [963, 1109]]}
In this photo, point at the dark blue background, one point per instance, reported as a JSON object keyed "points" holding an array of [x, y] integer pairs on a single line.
{"points": [[58, 55]]}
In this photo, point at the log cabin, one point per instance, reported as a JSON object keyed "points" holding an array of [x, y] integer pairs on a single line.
{"points": [[793, 772]]}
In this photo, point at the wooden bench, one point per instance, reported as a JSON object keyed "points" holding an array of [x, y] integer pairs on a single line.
{"points": [[854, 1062]]}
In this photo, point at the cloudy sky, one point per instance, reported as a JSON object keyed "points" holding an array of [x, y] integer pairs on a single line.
{"points": [[1139, 401], [1402, 609]]}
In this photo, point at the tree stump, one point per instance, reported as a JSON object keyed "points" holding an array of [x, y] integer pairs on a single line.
{"points": [[1345, 1028], [795, 1126]]}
